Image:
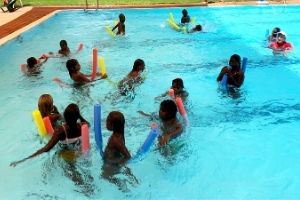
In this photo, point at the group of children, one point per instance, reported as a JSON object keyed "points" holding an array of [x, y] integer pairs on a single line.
{"points": [[67, 127], [277, 41]]}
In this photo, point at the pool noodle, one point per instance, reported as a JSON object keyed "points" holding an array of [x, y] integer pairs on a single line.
{"points": [[174, 25], [85, 138], [181, 108], [36, 114], [102, 66], [244, 64], [267, 34], [109, 31], [97, 127], [79, 47], [148, 142], [224, 82], [95, 59], [48, 125]]}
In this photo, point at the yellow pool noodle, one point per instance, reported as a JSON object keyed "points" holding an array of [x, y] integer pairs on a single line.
{"points": [[38, 120], [174, 25], [102, 66], [171, 17], [109, 31]]}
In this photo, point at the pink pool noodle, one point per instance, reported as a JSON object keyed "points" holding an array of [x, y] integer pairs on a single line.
{"points": [[180, 106], [171, 93], [48, 125], [95, 63], [79, 47], [85, 138]]}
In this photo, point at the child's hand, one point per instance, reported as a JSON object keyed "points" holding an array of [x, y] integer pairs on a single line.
{"points": [[163, 140], [44, 56], [13, 164]]}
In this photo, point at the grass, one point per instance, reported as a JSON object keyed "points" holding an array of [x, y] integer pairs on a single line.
{"points": [[104, 2]]}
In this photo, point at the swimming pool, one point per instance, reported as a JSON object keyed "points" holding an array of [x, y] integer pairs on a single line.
{"points": [[242, 145]]}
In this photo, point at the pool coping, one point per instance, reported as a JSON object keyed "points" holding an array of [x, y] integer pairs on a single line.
{"points": [[24, 22]]}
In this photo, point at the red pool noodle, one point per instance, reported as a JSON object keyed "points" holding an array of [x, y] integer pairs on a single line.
{"points": [[85, 138], [95, 63]]}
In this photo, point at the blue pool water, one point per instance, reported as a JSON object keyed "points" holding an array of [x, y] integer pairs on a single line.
{"points": [[243, 145]]}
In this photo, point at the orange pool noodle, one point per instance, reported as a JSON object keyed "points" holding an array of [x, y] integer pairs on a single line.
{"points": [[48, 125]]}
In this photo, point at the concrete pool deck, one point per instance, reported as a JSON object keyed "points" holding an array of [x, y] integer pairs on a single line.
{"points": [[13, 24]]}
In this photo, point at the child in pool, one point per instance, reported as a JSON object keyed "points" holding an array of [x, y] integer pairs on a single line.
{"points": [[170, 126], [133, 77], [185, 17], [64, 49], [233, 71], [178, 88], [47, 109], [67, 135], [34, 65], [74, 71], [120, 25], [197, 28], [116, 151], [280, 44]]}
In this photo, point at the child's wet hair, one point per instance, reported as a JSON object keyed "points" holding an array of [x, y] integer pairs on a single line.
{"points": [[237, 58], [184, 12], [72, 114], [276, 30], [138, 65], [122, 18], [178, 81], [45, 104], [198, 27], [63, 42], [31, 62], [170, 108], [71, 64], [117, 121]]}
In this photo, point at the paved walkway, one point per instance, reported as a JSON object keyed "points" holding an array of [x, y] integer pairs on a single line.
{"points": [[12, 24]]}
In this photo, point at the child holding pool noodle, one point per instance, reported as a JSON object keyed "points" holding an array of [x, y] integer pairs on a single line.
{"points": [[67, 135], [73, 67], [120, 25], [234, 73], [47, 109]]}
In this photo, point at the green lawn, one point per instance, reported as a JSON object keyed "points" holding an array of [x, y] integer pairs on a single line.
{"points": [[104, 2]]}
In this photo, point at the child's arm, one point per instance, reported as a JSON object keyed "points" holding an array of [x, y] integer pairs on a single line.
{"points": [[144, 114], [166, 137], [237, 79], [223, 71], [116, 26], [53, 141]]}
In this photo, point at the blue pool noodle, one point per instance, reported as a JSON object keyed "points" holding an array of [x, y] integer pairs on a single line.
{"points": [[267, 34], [244, 64], [224, 82], [97, 127], [148, 142]]}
